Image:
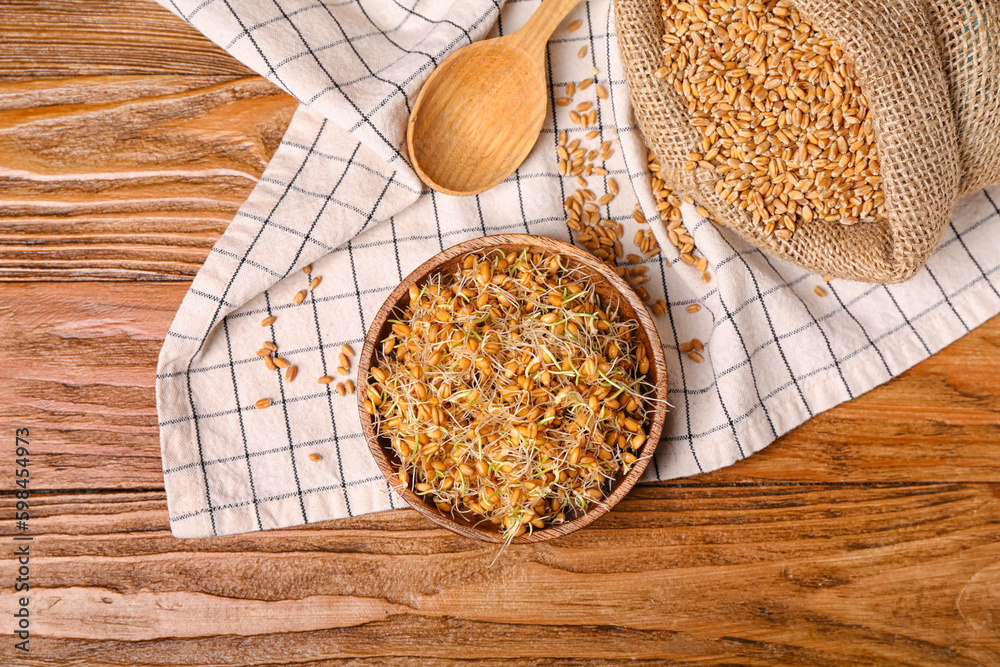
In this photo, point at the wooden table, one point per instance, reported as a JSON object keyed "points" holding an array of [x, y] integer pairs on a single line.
{"points": [[127, 142]]}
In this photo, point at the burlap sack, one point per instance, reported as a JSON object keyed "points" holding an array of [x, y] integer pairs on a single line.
{"points": [[931, 72]]}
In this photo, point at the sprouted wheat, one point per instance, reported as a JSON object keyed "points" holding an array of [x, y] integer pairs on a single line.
{"points": [[511, 392]]}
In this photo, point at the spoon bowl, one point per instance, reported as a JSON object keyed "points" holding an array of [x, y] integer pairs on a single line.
{"points": [[479, 114], [464, 139]]}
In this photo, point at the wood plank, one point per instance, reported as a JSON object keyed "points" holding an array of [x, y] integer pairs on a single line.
{"points": [[805, 561], [813, 574], [90, 400], [70, 38], [78, 370], [155, 170]]}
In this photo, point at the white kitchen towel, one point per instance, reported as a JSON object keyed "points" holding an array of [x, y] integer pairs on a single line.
{"points": [[339, 195]]}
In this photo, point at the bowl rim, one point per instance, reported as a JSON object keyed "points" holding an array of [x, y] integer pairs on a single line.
{"points": [[546, 244]]}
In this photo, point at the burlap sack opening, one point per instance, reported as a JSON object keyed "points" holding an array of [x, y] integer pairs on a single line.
{"points": [[931, 72]]}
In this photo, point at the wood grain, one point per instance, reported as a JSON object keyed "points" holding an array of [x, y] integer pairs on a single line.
{"points": [[869, 535], [814, 574], [41, 38], [156, 169], [79, 372]]}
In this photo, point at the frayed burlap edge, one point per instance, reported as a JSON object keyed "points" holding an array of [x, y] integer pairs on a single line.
{"points": [[969, 34], [900, 67]]}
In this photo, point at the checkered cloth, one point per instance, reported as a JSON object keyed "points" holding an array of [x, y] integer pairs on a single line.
{"points": [[339, 195]]}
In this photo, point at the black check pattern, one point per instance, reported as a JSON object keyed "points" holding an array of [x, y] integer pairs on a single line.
{"points": [[338, 196]]}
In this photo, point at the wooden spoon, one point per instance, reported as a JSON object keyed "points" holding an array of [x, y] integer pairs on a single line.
{"points": [[479, 114]]}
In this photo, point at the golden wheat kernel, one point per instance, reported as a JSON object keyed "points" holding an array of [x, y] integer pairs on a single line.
{"points": [[268, 321], [585, 84], [269, 362], [819, 291], [343, 371], [827, 279], [307, 269], [344, 360], [637, 441], [314, 283], [574, 25], [349, 386], [263, 403], [269, 345], [281, 362], [602, 92], [263, 352], [563, 101], [693, 308], [315, 457], [341, 389], [583, 52], [299, 297], [290, 373], [685, 347], [592, 134], [583, 106]]}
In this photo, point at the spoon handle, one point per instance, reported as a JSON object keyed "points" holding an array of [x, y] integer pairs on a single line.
{"points": [[536, 32]]}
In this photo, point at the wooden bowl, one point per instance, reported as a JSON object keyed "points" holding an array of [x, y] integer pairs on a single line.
{"points": [[610, 287]]}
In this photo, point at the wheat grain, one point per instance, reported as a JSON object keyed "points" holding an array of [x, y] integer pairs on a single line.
{"points": [[785, 125]]}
